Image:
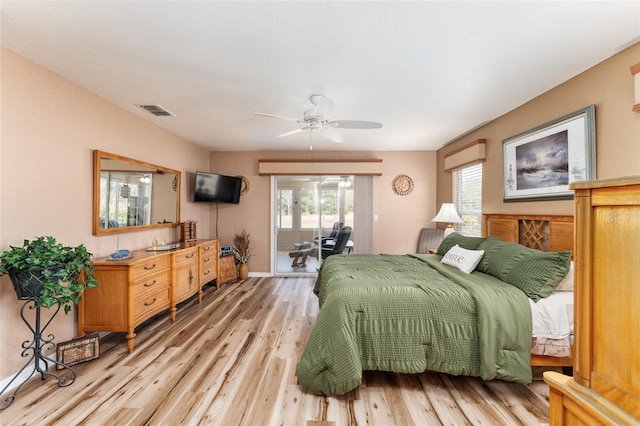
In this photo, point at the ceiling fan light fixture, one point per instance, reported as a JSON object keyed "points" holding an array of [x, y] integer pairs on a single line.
{"points": [[317, 119], [310, 115]]}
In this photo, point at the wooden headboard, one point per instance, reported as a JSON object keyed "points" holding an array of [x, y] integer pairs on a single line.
{"points": [[541, 232]]}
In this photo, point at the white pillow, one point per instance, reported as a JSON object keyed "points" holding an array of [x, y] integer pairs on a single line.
{"points": [[463, 259], [567, 282]]}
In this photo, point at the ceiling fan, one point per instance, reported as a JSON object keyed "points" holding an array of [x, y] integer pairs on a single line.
{"points": [[318, 119]]}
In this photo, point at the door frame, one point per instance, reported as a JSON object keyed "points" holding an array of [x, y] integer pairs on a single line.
{"points": [[274, 235]]}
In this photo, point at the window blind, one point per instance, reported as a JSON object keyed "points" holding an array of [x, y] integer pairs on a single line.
{"points": [[467, 196]]}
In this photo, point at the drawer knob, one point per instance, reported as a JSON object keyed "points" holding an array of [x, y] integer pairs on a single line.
{"points": [[150, 284], [189, 256], [150, 303], [148, 268]]}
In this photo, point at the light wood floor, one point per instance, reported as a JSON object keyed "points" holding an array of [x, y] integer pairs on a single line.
{"points": [[231, 361]]}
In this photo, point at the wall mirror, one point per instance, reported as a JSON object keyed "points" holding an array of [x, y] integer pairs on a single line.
{"points": [[132, 195]]}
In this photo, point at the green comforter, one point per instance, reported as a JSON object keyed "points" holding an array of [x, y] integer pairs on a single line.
{"points": [[411, 313]]}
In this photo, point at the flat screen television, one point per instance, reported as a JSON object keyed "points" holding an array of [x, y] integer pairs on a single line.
{"points": [[215, 188]]}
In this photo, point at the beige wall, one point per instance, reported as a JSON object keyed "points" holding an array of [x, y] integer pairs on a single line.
{"points": [[49, 128], [400, 218], [609, 86]]}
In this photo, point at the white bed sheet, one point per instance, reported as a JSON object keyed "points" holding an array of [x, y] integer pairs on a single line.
{"points": [[553, 316], [552, 325]]}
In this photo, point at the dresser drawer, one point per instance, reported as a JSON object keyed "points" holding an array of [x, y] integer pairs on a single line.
{"points": [[152, 283], [186, 256], [209, 274], [209, 260], [209, 267], [148, 304], [210, 247], [151, 266]]}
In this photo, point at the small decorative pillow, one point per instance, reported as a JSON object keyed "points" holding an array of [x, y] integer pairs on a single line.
{"points": [[469, 243], [567, 282], [463, 259]]}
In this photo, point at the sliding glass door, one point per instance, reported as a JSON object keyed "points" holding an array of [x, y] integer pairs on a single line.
{"points": [[305, 209]]}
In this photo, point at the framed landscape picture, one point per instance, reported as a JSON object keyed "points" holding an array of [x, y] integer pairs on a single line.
{"points": [[540, 163]]}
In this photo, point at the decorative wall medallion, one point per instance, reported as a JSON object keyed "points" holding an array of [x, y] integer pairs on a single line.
{"points": [[245, 185], [402, 185]]}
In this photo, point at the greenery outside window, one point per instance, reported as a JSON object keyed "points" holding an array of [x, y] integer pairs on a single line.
{"points": [[309, 203], [467, 196], [285, 209], [308, 208], [335, 204]]}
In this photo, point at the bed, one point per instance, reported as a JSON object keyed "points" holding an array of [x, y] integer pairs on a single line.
{"points": [[412, 313]]}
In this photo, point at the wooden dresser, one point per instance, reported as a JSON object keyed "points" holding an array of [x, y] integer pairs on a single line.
{"points": [[605, 388], [132, 290]]}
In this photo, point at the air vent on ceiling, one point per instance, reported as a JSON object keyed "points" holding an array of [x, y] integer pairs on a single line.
{"points": [[156, 110]]}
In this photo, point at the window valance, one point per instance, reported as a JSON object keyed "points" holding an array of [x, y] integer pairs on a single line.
{"points": [[468, 154], [320, 167]]}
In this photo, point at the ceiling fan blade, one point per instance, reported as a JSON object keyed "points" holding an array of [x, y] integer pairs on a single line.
{"points": [[323, 106], [332, 135], [277, 116], [355, 124], [292, 132]]}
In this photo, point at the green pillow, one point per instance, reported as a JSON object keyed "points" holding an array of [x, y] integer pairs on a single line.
{"points": [[537, 273], [469, 243], [490, 246]]}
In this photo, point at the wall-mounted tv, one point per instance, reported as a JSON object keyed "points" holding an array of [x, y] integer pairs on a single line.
{"points": [[215, 188]]}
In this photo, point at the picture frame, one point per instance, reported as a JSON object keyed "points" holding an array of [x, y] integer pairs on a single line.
{"points": [[539, 164]]}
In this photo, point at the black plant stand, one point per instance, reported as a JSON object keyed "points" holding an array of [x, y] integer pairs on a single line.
{"points": [[34, 348]]}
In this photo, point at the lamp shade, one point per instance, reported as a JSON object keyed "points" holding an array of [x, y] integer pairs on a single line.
{"points": [[447, 214]]}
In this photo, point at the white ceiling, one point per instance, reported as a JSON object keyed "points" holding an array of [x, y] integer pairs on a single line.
{"points": [[429, 71]]}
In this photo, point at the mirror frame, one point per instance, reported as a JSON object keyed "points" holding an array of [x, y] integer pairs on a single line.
{"points": [[97, 156]]}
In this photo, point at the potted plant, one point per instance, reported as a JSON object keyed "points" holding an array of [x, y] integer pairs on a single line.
{"points": [[49, 272], [242, 252]]}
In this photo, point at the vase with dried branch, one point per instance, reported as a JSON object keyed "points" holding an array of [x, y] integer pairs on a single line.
{"points": [[242, 252]]}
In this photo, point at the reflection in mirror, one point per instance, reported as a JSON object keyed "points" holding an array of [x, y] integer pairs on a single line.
{"points": [[132, 195]]}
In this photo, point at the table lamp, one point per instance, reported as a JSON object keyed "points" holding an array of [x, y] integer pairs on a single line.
{"points": [[448, 214]]}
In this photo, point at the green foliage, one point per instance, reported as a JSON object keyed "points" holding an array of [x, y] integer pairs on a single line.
{"points": [[67, 270]]}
